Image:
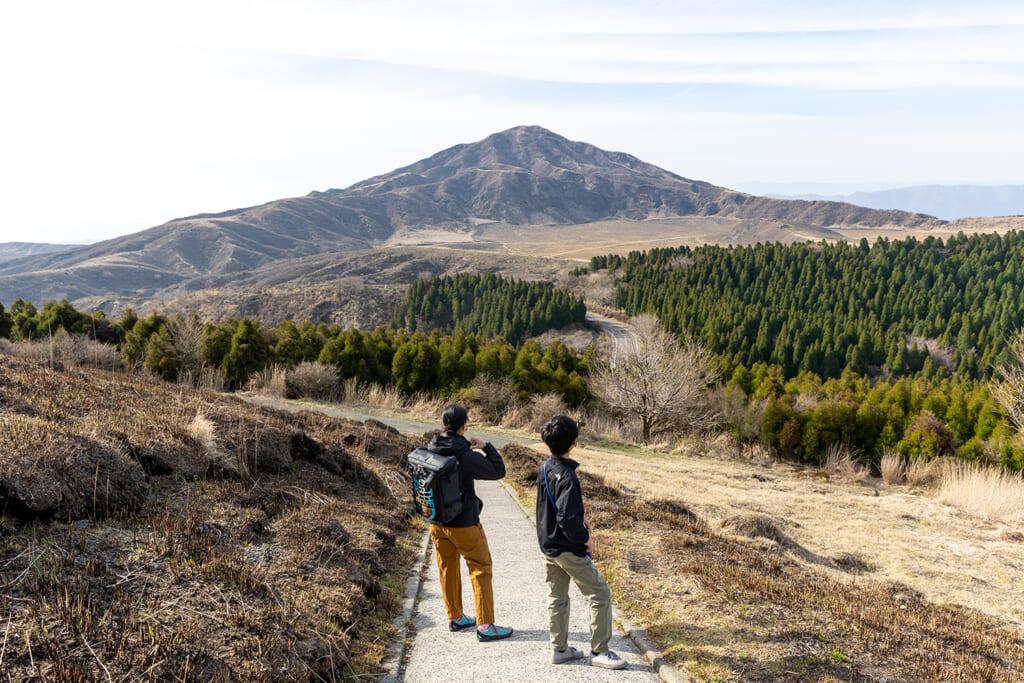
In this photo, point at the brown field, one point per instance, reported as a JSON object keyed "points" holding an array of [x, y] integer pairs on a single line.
{"points": [[580, 242], [749, 570], [151, 532]]}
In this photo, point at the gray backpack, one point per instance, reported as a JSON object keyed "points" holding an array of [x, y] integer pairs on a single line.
{"points": [[436, 493]]}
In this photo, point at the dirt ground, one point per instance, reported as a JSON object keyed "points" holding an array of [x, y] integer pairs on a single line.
{"points": [[900, 533], [785, 574]]}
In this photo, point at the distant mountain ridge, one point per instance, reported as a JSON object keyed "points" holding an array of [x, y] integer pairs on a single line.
{"points": [[948, 202], [13, 250], [524, 176]]}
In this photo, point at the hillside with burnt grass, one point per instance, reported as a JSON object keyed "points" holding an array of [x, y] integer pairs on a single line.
{"points": [[151, 532]]}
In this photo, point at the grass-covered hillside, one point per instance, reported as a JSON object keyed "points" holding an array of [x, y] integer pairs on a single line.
{"points": [[152, 532]]}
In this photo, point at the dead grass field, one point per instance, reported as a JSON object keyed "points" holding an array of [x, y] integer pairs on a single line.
{"points": [[580, 242], [757, 571], [151, 532]]}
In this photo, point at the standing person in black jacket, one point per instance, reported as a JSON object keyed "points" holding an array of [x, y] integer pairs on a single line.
{"points": [[564, 539], [464, 535]]}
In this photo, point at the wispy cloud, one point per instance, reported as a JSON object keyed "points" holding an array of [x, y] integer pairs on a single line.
{"points": [[205, 105]]}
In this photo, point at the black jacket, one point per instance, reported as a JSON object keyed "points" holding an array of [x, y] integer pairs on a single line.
{"points": [[561, 531], [472, 465]]}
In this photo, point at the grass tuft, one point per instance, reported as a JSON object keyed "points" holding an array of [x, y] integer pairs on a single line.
{"points": [[983, 490]]}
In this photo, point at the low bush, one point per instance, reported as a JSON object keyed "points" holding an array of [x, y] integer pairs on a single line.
{"points": [[313, 380]]}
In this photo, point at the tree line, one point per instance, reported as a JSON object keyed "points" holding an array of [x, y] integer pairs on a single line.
{"points": [[487, 305], [411, 361], [901, 307], [833, 343], [919, 418]]}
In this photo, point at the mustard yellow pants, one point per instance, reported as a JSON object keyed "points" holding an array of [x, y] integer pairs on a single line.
{"points": [[450, 543]]}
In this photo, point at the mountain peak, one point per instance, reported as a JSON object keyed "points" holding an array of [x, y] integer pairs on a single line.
{"points": [[531, 150], [523, 176]]}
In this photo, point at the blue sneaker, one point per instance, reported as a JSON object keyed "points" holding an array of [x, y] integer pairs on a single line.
{"points": [[493, 632], [461, 623]]}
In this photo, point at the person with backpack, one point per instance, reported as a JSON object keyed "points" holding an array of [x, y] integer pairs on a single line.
{"points": [[464, 535], [567, 549]]}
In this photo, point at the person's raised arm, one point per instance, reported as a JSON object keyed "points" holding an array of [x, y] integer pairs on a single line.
{"points": [[483, 461]]}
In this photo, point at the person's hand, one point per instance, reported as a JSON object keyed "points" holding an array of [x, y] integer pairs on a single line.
{"points": [[476, 443]]}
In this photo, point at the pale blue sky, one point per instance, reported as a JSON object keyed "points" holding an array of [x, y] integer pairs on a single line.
{"points": [[119, 116]]}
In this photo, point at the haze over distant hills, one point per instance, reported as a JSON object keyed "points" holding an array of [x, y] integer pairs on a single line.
{"points": [[948, 202], [510, 192], [12, 250]]}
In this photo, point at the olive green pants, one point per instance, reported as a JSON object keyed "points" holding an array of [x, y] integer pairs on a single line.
{"points": [[594, 588]]}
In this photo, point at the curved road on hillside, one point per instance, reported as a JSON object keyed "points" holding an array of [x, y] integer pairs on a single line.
{"points": [[622, 336]]}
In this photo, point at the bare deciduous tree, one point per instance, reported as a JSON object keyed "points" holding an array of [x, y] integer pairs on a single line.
{"points": [[1010, 391], [187, 337], [659, 379]]}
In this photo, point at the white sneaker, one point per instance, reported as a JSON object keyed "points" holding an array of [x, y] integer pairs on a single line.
{"points": [[608, 660], [566, 655]]}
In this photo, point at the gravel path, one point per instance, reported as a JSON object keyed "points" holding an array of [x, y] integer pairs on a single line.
{"points": [[520, 596]]}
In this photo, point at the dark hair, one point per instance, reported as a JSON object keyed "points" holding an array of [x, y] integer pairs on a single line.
{"points": [[453, 417], [559, 433]]}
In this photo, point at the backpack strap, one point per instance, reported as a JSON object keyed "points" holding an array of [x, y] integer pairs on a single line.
{"points": [[544, 468]]}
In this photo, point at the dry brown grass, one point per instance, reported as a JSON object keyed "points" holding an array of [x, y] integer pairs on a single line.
{"points": [[840, 461], [983, 490], [923, 472], [389, 399], [270, 381], [893, 468], [153, 532], [66, 349], [600, 238], [601, 424], [489, 398], [207, 379], [752, 570], [532, 414]]}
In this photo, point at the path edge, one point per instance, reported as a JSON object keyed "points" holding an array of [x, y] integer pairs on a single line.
{"points": [[666, 671], [403, 623]]}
